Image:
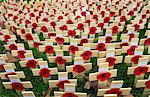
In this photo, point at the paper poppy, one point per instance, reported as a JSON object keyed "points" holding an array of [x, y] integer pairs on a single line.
{"points": [[131, 13], [78, 68], [98, 7], [44, 29], [123, 19], [114, 91], [140, 21], [61, 84], [59, 40], [17, 86], [137, 27], [83, 13], [131, 36], [143, 16], [21, 54], [106, 19], [83, 41], [69, 22], [135, 59], [2, 67], [31, 64], [28, 36], [63, 27], [60, 60], [72, 33], [49, 49], [22, 31], [112, 14], [27, 22], [88, 21], [147, 84], [53, 24], [11, 73], [101, 25], [101, 47], [102, 13], [111, 61], [15, 17], [40, 12], [45, 73], [34, 25], [51, 34], [32, 15], [6, 37], [80, 26], [12, 47], [69, 95], [45, 19], [95, 16], [72, 49], [131, 50], [114, 29], [93, 30], [140, 70], [86, 55], [60, 18], [36, 44], [108, 39], [103, 76], [77, 17], [147, 41], [124, 44], [74, 11]]}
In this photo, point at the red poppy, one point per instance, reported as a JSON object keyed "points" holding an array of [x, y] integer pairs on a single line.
{"points": [[101, 47], [108, 39], [44, 29], [101, 25], [131, 50], [78, 68], [147, 41], [135, 9], [131, 36], [112, 14], [93, 30], [60, 18], [95, 16], [9, 15], [31, 64], [34, 25], [69, 95], [147, 84], [111, 61], [124, 44], [12, 47], [49, 49], [80, 26], [83, 41], [73, 49], [143, 16], [51, 34], [140, 70], [103, 76], [6, 37], [141, 21], [74, 11], [2, 67], [102, 13], [114, 91], [98, 7], [45, 73], [114, 29], [61, 84], [32, 15], [88, 21], [77, 17], [21, 54], [137, 27], [131, 13], [27, 22], [11, 73], [53, 24], [86, 55], [106, 19], [40, 12], [15, 17], [60, 60], [59, 40], [123, 19], [45, 19], [36, 44], [64, 27], [17, 86], [28, 36], [83, 13], [72, 33], [135, 59], [69, 22]]}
